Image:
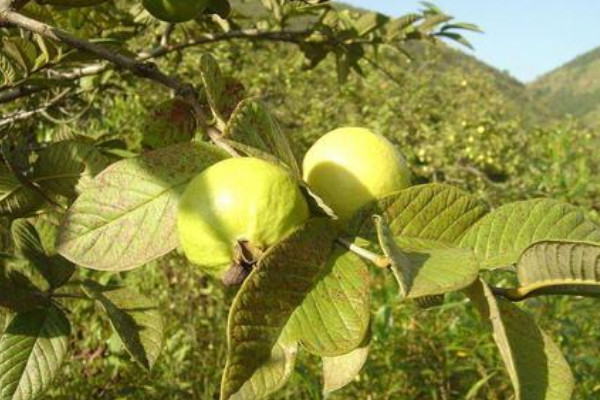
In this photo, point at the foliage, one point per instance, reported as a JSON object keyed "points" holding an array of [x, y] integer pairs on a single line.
{"points": [[80, 188], [571, 89]]}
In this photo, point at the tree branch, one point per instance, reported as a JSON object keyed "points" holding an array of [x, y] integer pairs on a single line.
{"points": [[138, 67], [24, 114], [12, 94], [245, 34]]}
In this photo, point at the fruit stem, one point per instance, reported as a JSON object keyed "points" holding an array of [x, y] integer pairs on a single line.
{"points": [[379, 260]]}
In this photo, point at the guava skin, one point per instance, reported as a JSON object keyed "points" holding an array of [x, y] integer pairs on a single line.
{"points": [[349, 167], [175, 10], [237, 199]]}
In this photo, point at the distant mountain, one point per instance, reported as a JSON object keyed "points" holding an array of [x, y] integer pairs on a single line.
{"points": [[573, 89]]}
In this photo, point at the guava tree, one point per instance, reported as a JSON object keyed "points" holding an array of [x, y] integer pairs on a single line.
{"points": [[71, 202]]}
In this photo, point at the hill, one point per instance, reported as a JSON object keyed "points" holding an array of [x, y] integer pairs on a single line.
{"points": [[573, 89]]}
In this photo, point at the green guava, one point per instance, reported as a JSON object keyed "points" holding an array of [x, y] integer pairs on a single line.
{"points": [[349, 167], [175, 10], [237, 202]]}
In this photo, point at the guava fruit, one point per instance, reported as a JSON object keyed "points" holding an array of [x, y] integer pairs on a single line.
{"points": [[349, 167], [236, 209], [175, 10]]}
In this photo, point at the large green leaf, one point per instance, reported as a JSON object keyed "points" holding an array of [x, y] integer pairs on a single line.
{"points": [[16, 200], [63, 165], [426, 271], [17, 293], [127, 217], [334, 316], [557, 267], [339, 371], [135, 319], [53, 268], [267, 299], [501, 236], [253, 125], [32, 348], [535, 364], [273, 374], [434, 211]]}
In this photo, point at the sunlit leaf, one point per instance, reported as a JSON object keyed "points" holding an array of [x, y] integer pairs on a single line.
{"points": [[32, 349], [434, 212], [267, 299], [127, 217], [134, 317], [535, 364], [424, 272], [500, 237]]}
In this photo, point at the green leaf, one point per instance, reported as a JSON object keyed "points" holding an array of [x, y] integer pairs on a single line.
{"points": [[169, 122], [215, 88], [462, 25], [72, 3], [8, 70], [63, 165], [501, 236], [424, 272], [253, 125], [38, 12], [342, 63], [20, 50], [339, 371], [32, 349], [316, 204], [556, 267], [457, 37], [47, 224], [53, 268], [435, 212], [535, 364], [135, 319], [334, 316], [369, 21], [268, 297], [127, 216], [432, 21], [273, 374], [395, 29], [17, 293], [431, 8], [15, 199]]}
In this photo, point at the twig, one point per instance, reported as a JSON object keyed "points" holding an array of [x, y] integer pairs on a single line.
{"points": [[246, 34], [164, 39], [21, 115], [12, 94], [378, 260], [142, 69], [70, 296], [507, 293]]}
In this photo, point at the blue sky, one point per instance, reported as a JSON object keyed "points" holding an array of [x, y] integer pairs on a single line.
{"points": [[525, 37]]}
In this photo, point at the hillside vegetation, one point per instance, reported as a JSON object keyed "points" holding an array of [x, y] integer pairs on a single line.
{"points": [[573, 89], [456, 120]]}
